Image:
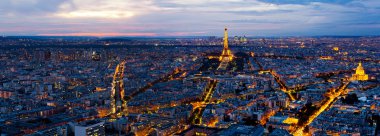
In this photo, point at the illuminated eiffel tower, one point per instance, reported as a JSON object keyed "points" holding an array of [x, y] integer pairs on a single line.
{"points": [[226, 54]]}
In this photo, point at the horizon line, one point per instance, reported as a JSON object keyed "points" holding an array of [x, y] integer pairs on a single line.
{"points": [[184, 36]]}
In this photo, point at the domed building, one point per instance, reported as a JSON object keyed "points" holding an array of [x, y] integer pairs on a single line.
{"points": [[360, 73]]}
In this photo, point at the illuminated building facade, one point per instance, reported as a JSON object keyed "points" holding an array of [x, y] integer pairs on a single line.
{"points": [[118, 103], [336, 48], [360, 74], [6, 94], [302, 45], [95, 56], [55, 131]]}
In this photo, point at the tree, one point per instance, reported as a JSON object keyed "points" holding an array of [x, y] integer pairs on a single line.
{"points": [[270, 129], [350, 99], [306, 130]]}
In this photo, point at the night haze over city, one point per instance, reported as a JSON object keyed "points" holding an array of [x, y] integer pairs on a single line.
{"points": [[189, 67]]}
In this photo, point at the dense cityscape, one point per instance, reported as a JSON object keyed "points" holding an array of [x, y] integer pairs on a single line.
{"points": [[184, 86]]}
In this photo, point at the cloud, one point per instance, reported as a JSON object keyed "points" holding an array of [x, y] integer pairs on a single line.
{"points": [[28, 7], [112, 14], [189, 17], [307, 1], [106, 9], [98, 34]]}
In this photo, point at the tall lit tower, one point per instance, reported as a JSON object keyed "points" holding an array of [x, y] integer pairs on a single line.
{"points": [[226, 54], [118, 103]]}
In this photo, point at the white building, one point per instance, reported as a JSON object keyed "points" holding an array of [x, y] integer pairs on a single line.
{"points": [[89, 128]]}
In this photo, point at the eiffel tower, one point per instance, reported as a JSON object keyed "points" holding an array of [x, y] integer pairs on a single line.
{"points": [[226, 54]]}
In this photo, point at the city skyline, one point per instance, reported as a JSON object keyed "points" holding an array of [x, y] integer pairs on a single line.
{"points": [[167, 68], [86, 86], [154, 18]]}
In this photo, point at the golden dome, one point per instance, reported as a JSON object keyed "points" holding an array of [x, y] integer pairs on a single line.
{"points": [[360, 69], [360, 73]]}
